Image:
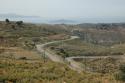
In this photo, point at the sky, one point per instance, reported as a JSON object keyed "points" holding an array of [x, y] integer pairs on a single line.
{"points": [[65, 8]]}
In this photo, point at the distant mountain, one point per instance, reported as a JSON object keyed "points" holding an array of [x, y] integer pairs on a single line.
{"points": [[35, 19], [15, 17], [38, 19], [62, 21], [89, 20]]}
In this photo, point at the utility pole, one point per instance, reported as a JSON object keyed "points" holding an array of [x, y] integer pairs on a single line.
{"points": [[62, 45], [85, 37], [44, 55], [85, 63]]}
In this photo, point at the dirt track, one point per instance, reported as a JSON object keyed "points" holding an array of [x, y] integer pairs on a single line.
{"points": [[70, 60]]}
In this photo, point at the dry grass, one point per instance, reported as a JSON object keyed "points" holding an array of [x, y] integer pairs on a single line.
{"points": [[58, 37], [32, 68], [48, 72], [17, 53]]}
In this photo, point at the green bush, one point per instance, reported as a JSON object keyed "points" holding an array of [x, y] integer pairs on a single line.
{"points": [[121, 74]]}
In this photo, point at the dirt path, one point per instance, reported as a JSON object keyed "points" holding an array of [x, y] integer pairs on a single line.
{"points": [[69, 60], [56, 58], [51, 55], [96, 57], [80, 67]]}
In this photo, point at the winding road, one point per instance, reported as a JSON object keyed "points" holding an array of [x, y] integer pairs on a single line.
{"points": [[56, 58], [69, 60], [51, 55]]}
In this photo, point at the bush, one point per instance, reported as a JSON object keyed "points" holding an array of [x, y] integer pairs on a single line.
{"points": [[117, 53], [121, 74], [19, 22], [23, 58], [7, 20], [122, 68]]}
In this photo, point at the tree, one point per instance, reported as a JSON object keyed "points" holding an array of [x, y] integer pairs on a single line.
{"points": [[7, 20], [19, 22], [64, 52]]}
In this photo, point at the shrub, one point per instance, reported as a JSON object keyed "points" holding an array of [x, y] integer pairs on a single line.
{"points": [[7, 20], [19, 22], [23, 58], [121, 74]]}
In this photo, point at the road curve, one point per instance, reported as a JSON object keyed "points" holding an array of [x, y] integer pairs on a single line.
{"points": [[49, 54], [70, 60], [56, 58]]}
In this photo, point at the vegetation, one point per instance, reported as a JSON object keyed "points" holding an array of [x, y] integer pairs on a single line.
{"points": [[21, 63], [7, 20], [121, 74], [106, 66], [102, 65], [80, 48], [19, 23], [102, 33], [26, 35], [23, 71]]}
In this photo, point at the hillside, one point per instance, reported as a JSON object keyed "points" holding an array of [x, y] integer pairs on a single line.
{"points": [[21, 62]]}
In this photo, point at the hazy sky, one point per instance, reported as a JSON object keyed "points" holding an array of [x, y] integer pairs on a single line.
{"points": [[65, 8]]}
